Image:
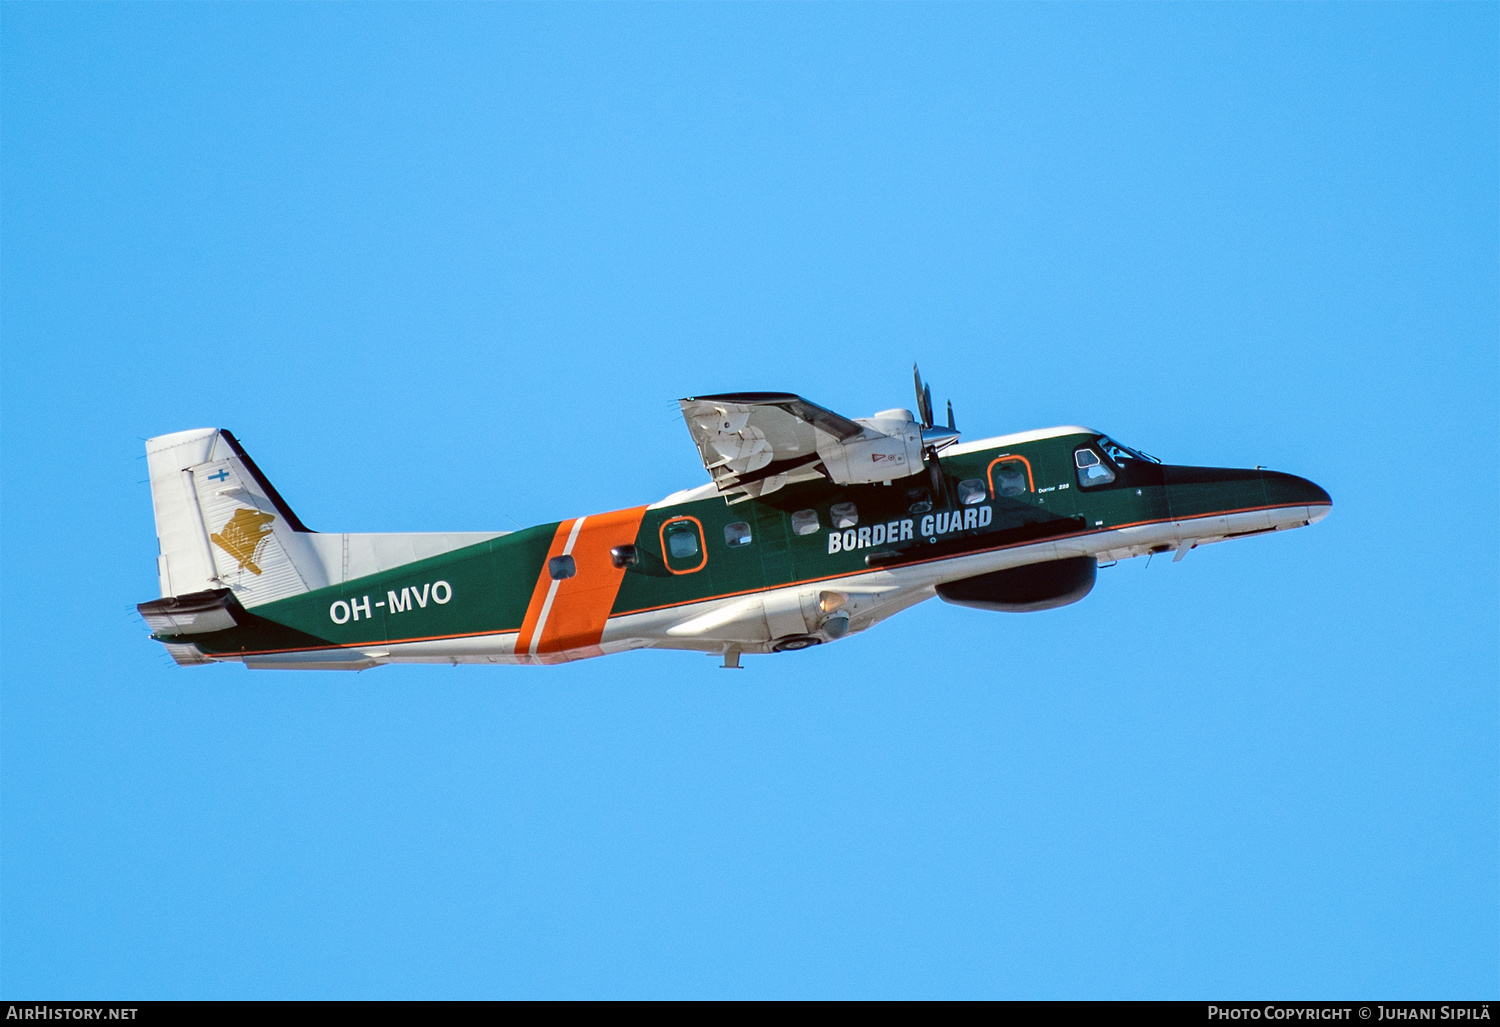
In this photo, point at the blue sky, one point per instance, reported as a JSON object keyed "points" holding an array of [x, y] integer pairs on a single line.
{"points": [[444, 266]]}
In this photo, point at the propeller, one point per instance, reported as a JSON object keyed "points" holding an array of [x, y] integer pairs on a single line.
{"points": [[934, 438]]}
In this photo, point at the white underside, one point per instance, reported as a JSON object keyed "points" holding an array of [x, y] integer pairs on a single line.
{"points": [[751, 624]]}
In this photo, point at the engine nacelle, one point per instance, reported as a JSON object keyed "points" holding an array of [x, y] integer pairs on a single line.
{"points": [[1037, 586], [895, 452]]}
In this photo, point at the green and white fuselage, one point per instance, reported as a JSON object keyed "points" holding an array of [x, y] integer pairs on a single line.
{"points": [[744, 564]]}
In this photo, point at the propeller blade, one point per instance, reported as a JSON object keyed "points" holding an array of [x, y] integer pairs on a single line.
{"points": [[924, 408]]}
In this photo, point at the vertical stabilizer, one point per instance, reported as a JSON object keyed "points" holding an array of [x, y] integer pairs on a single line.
{"points": [[221, 524]]}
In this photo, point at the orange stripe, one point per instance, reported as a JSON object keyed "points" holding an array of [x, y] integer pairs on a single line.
{"points": [[539, 591], [583, 602]]}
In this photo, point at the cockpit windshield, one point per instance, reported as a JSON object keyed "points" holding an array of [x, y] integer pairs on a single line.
{"points": [[1121, 454]]}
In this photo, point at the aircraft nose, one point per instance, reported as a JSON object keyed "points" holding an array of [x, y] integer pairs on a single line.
{"points": [[1200, 491], [1290, 490]]}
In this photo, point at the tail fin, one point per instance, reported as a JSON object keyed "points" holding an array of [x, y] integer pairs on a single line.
{"points": [[221, 525]]}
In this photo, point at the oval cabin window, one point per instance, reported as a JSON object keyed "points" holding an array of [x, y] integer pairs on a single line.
{"points": [[682, 545], [1010, 478]]}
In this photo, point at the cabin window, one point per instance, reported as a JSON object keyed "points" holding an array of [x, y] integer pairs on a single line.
{"points": [[971, 491], [736, 535], [1091, 469], [682, 545], [805, 522], [1010, 478], [560, 567], [920, 501], [845, 515]]}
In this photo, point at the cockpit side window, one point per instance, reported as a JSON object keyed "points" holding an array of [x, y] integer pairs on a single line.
{"points": [[1123, 454], [1091, 469]]}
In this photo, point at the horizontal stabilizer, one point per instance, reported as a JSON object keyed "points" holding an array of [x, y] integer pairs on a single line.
{"points": [[196, 614]]}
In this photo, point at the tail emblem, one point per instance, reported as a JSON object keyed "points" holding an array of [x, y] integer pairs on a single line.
{"points": [[243, 535]]}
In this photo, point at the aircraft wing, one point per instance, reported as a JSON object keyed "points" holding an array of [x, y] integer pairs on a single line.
{"points": [[755, 442]]}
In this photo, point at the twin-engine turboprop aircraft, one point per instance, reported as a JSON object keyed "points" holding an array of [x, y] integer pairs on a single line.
{"points": [[814, 527]]}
